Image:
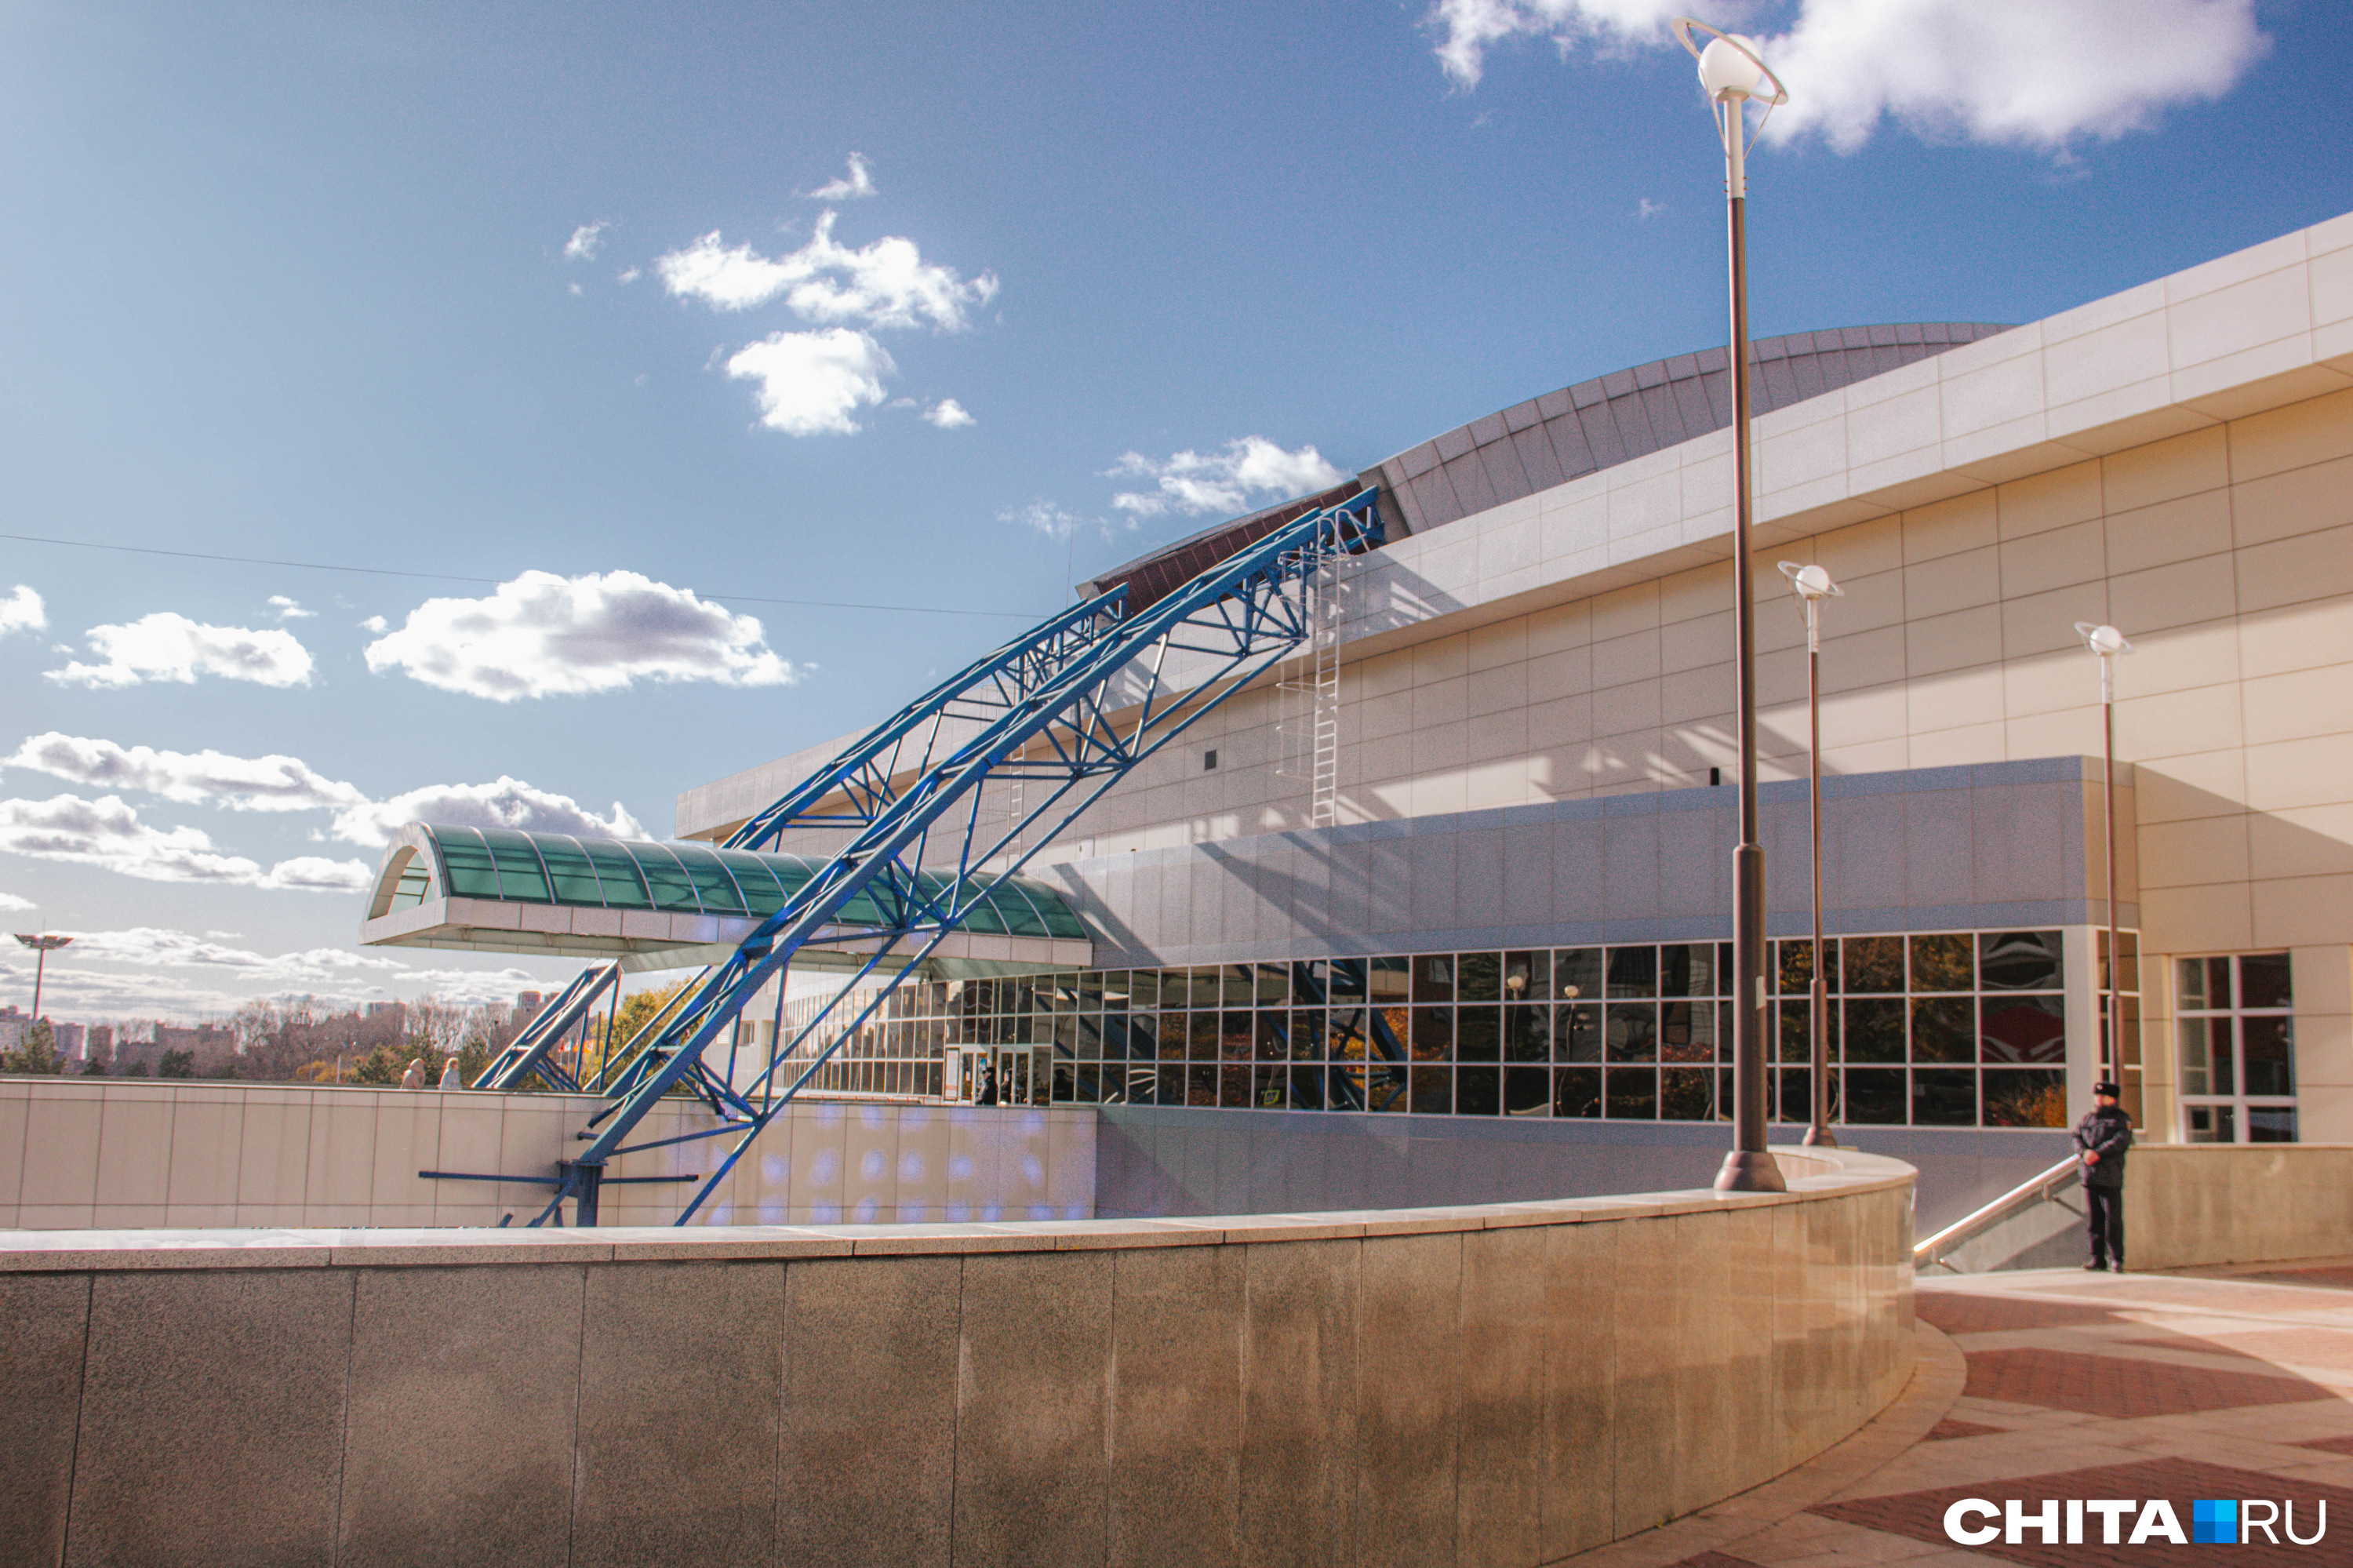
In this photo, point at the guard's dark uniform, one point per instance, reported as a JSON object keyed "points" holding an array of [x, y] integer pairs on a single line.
{"points": [[2106, 1132]]}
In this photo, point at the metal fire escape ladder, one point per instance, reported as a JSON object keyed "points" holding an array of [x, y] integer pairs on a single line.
{"points": [[1073, 735]]}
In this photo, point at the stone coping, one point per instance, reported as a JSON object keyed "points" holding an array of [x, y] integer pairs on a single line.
{"points": [[1811, 1174]]}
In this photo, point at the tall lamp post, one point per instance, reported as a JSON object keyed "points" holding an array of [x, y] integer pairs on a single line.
{"points": [[44, 944], [1813, 585], [2107, 643], [1732, 75]]}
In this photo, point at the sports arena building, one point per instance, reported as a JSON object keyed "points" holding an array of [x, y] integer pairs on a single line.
{"points": [[1467, 854]]}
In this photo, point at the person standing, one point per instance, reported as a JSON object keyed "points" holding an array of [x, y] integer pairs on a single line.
{"points": [[449, 1080], [2101, 1139], [415, 1077]]}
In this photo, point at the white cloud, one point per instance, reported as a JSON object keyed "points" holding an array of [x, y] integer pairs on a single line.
{"points": [[948, 415], [1223, 482], [885, 284], [544, 635], [1046, 518], [2036, 73], [375, 623], [14, 903], [290, 609], [273, 783], [1647, 209], [509, 803], [628, 275], [812, 382], [108, 834], [586, 241], [22, 611], [858, 182], [167, 646]]}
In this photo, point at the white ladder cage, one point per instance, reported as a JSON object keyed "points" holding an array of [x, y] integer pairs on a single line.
{"points": [[1307, 691]]}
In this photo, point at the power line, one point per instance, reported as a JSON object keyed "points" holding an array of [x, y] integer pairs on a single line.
{"points": [[455, 577]]}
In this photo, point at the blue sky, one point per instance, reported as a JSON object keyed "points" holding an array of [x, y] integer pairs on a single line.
{"points": [[484, 291]]}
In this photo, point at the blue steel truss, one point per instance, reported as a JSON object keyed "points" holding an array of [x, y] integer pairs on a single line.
{"points": [[531, 1053], [1069, 711]]}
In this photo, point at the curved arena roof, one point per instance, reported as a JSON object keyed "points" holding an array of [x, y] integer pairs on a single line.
{"points": [[1564, 435]]}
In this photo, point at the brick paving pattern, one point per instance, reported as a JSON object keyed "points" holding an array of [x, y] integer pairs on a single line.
{"points": [[2122, 1390], [2086, 1386]]}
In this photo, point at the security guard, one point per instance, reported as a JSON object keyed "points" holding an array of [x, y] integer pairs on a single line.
{"points": [[2102, 1138]]}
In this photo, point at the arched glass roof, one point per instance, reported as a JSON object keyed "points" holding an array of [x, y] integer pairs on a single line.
{"points": [[686, 879]]}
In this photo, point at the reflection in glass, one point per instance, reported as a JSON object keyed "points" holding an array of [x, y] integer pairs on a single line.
{"points": [[1687, 1094], [1632, 1031], [1270, 1088], [1871, 964], [1478, 1091], [1943, 1029], [1528, 1034], [1633, 972], [1479, 1033], [1527, 976], [1577, 1033], [2019, 960], [1348, 979], [1943, 963], [2263, 981], [1577, 1091], [1433, 1090], [1875, 1096], [1577, 972], [2024, 1097], [1873, 1031], [1687, 1032], [1687, 968], [1527, 1091], [1633, 1093], [1273, 1036], [1793, 964], [2267, 1049], [1944, 1096], [1309, 1040], [1433, 978], [1390, 979], [2271, 1124], [1433, 1034], [2021, 1029], [1480, 978]]}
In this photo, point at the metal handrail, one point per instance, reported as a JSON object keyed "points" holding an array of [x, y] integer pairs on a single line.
{"points": [[1969, 1226]]}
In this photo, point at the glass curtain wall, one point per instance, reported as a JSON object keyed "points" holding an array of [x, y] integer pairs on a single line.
{"points": [[1943, 1029]]}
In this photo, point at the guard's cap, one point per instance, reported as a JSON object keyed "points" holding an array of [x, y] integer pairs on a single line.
{"points": [[2105, 1087]]}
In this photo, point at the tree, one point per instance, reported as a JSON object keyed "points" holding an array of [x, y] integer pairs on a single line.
{"points": [[94, 1068], [136, 1070], [176, 1065], [37, 1055], [638, 1009]]}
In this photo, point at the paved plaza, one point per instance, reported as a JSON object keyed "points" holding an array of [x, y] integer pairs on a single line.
{"points": [[2061, 1383]]}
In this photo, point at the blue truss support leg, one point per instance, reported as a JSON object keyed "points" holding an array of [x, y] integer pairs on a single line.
{"points": [[1240, 613], [530, 1053]]}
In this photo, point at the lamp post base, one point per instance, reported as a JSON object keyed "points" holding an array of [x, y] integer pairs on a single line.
{"points": [[1750, 1172], [1820, 1137]]}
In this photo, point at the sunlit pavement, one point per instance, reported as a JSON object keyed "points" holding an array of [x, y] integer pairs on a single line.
{"points": [[2063, 1384]]}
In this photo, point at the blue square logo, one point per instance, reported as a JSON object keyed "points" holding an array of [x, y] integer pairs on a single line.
{"points": [[2214, 1521]]}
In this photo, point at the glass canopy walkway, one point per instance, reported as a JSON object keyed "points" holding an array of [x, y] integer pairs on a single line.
{"points": [[499, 890]]}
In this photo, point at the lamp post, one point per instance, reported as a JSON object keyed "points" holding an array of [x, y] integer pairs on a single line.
{"points": [[43, 945], [1732, 75], [1813, 585], [2106, 642]]}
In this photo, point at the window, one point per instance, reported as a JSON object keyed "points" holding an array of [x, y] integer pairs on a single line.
{"points": [[2234, 1024]]}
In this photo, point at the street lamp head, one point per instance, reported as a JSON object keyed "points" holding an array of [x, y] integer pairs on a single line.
{"points": [[1730, 67], [46, 943], [2104, 641], [1811, 581]]}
